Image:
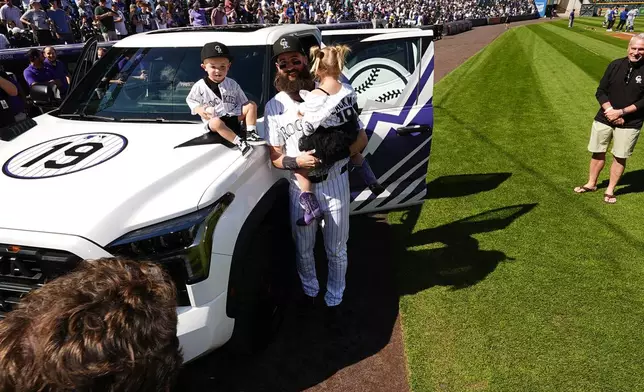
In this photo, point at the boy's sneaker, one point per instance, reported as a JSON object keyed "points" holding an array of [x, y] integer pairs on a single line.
{"points": [[253, 138], [244, 148]]}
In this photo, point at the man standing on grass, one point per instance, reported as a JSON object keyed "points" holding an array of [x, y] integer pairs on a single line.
{"points": [[611, 18], [630, 20], [622, 19], [621, 96]]}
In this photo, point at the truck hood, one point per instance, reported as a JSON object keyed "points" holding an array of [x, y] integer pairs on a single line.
{"points": [[126, 176]]}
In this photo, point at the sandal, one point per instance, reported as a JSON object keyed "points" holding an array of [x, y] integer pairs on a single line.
{"points": [[609, 199], [584, 189]]}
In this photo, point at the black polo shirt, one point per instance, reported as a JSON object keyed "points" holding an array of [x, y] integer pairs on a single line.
{"points": [[622, 85]]}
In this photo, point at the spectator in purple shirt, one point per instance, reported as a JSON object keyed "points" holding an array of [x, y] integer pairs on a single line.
{"points": [[36, 72], [58, 69], [198, 15]]}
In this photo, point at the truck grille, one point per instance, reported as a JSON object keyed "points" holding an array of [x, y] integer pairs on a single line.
{"points": [[23, 269]]}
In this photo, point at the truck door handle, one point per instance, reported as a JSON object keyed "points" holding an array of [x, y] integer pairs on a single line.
{"points": [[408, 130]]}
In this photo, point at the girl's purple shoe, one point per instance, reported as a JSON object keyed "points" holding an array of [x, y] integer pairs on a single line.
{"points": [[312, 210]]}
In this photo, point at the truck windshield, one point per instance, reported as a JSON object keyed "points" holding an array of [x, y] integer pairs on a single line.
{"points": [[151, 84]]}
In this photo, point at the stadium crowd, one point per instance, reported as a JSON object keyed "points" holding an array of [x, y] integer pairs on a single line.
{"points": [[25, 23]]}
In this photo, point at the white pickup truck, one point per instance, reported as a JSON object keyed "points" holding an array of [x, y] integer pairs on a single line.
{"points": [[121, 168]]}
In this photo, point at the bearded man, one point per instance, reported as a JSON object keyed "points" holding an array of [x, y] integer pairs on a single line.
{"points": [[331, 185]]}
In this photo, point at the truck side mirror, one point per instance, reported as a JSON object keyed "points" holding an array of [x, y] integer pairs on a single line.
{"points": [[45, 94]]}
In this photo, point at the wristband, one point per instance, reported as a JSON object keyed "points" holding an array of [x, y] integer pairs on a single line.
{"points": [[623, 112], [290, 163]]}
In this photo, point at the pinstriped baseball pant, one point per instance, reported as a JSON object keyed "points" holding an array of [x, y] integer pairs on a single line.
{"points": [[333, 196]]}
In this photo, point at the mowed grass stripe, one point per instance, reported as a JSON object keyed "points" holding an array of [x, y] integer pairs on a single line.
{"points": [[472, 64], [599, 36], [594, 22], [568, 97], [554, 114], [591, 63], [453, 348], [572, 103], [595, 46], [467, 342], [562, 314]]}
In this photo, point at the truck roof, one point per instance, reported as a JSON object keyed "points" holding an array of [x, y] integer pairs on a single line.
{"points": [[232, 35]]}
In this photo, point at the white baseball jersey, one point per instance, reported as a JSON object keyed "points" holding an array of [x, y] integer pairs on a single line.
{"points": [[329, 110], [282, 125], [284, 129], [231, 101]]}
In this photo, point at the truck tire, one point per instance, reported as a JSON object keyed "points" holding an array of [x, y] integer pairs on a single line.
{"points": [[269, 267]]}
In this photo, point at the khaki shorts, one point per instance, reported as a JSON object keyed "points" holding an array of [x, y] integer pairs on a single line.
{"points": [[623, 143]]}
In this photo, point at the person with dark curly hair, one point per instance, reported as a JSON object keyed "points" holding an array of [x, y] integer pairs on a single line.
{"points": [[109, 325]]}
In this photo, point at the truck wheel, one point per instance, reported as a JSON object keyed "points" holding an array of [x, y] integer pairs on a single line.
{"points": [[265, 284]]}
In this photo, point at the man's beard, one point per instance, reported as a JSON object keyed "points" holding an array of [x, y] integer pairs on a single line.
{"points": [[302, 81]]}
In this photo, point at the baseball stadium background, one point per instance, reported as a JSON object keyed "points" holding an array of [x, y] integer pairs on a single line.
{"points": [[504, 280], [599, 8]]}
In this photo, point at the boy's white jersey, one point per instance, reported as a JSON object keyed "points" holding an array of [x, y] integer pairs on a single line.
{"points": [[231, 101], [329, 110]]}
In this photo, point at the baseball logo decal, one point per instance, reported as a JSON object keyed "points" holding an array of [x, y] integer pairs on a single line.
{"points": [[378, 79], [65, 155]]}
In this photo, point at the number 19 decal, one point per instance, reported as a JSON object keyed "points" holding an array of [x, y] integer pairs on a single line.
{"points": [[65, 155]]}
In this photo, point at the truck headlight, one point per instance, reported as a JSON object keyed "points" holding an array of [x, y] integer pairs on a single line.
{"points": [[186, 240]]}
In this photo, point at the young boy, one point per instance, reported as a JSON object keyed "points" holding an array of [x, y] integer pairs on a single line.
{"points": [[221, 102]]}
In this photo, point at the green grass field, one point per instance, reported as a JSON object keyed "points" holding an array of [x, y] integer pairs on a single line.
{"points": [[509, 281]]}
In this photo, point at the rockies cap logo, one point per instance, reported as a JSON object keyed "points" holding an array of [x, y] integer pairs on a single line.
{"points": [[218, 49], [284, 43]]}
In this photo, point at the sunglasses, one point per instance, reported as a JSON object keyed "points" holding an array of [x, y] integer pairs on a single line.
{"points": [[285, 64]]}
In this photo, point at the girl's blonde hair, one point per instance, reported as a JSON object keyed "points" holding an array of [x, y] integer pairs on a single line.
{"points": [[328, 61]]}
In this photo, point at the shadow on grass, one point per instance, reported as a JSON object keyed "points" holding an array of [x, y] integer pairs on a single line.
{"points": [[631, 182], [460, 263], [464, 184], [304, 353]]}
